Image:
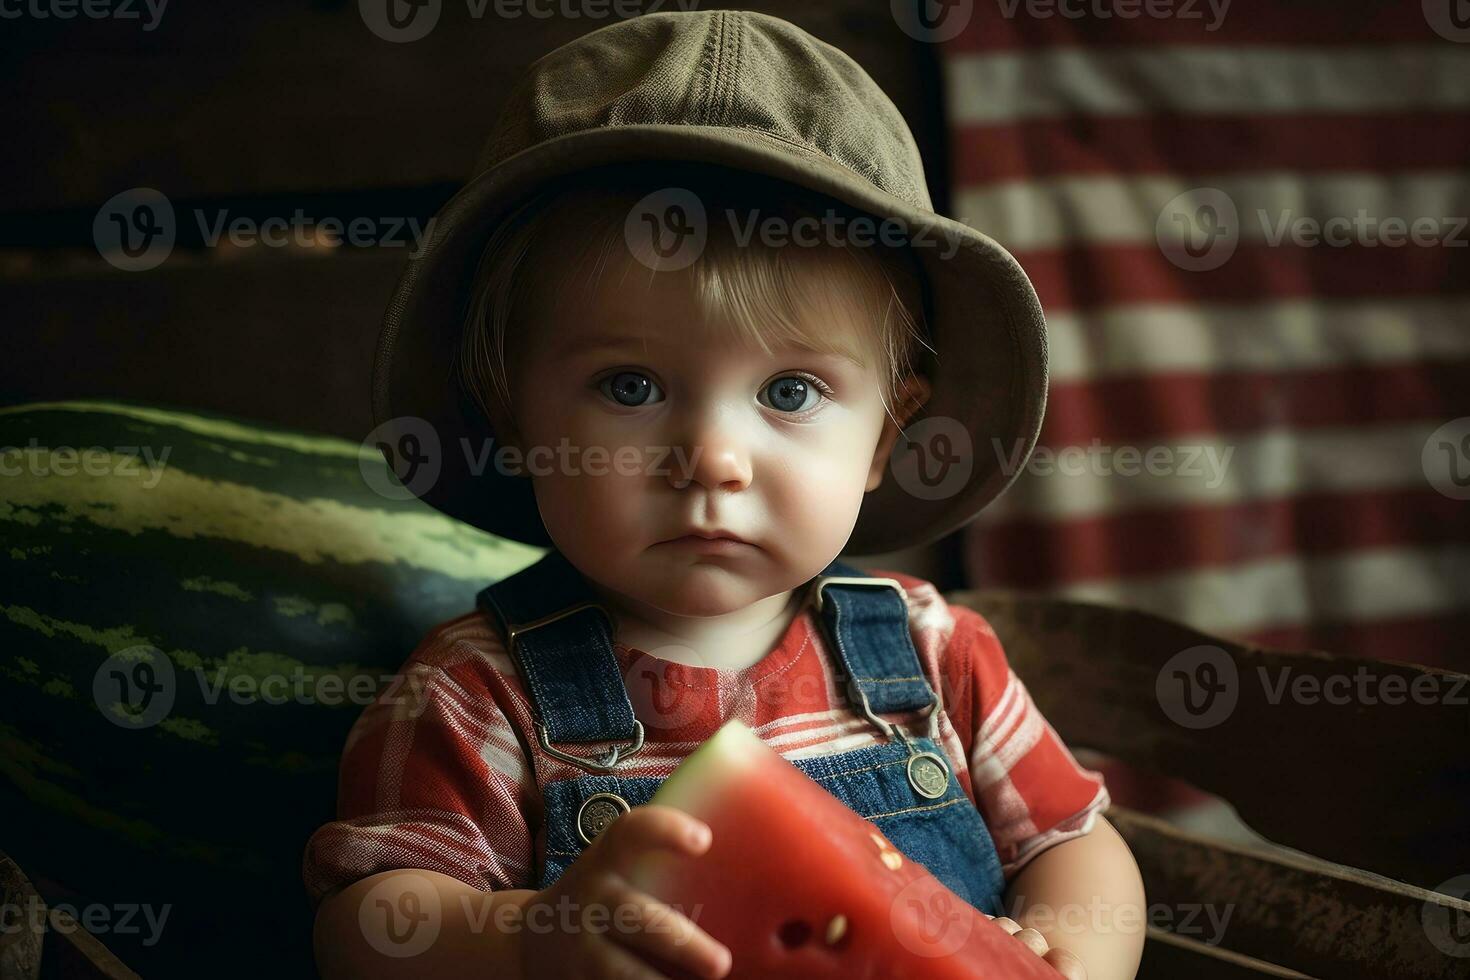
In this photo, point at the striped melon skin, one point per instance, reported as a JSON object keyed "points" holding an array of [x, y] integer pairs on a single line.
{"points": [[244, 555]]}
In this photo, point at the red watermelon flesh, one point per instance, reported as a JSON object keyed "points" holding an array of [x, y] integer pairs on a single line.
{"points": [[797, 885]]}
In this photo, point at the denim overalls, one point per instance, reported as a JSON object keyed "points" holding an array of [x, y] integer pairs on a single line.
{"points": [[561, 642]]}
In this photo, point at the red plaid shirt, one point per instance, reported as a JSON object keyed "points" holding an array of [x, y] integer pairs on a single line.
{"points": [[438, 773]]}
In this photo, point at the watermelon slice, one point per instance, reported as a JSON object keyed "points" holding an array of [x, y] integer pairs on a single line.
{"points": [[797, 885]]}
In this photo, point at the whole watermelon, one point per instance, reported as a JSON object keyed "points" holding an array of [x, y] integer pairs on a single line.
{"points": [[195, 610]]}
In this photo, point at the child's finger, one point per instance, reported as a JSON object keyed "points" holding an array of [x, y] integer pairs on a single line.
{"points": [[1066, 963], [615, 961], [646, 828], [1008, 924], [1034, 941], [642, 922]]}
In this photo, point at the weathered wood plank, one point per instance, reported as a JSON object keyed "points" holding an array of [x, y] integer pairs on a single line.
{"points": [[1295, 911], [73, 953], [1169, 957], [1361, 762], [20, 940]]}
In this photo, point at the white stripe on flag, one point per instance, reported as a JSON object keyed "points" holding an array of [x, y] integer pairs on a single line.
{"points": [[1356, 586], [1274, 208], [1213, 469], [1199, 80], [1290, 335]]}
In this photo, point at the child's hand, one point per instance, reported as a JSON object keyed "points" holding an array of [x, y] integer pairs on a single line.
{"points": [[556, 943], [1061, 960]]}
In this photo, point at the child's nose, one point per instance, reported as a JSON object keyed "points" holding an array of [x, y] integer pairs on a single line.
{"points": [[716, 456]]}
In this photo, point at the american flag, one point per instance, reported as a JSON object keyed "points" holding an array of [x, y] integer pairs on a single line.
{"points": [[1270, 442], [1259, 417]]}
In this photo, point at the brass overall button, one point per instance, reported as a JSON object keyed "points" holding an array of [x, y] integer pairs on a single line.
{"points": [[597, 811], [928, 775]]}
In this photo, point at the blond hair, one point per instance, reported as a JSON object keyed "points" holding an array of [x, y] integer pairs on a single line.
{"points": [[768, 294]]}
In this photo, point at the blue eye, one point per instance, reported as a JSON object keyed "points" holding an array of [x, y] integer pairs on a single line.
{"points": [[631, 388], [791, 393]]}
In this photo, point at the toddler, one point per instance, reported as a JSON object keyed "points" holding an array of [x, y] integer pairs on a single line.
{"points": [[678, 326]]}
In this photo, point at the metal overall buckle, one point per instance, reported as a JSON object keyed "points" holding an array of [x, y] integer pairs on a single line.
{"points": [[928, 772], [614, 755]]}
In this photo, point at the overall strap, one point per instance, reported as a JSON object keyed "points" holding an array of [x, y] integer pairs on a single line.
{"points": [[560, 638], [865, 617]]}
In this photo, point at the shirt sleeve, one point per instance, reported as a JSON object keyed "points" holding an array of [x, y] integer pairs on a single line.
{"points": [[432, 777], [1028, 786]]}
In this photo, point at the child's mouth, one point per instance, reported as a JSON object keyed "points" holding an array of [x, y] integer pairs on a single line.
{"points": [[720, 545]]}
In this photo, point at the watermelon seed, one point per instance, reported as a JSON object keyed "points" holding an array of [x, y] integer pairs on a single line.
{"points": [[795, 932], [836, 929]]}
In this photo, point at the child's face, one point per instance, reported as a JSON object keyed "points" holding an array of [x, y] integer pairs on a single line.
{"points": [[715, 435]]}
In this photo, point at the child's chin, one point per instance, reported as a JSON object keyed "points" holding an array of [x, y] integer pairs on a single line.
{"points": [[700, 593]]}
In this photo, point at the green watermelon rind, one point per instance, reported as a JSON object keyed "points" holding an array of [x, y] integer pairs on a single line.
{"points": [[256, 552], [694, 786]]}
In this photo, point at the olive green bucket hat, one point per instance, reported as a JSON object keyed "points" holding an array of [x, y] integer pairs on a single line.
{"points": [[752, 92]]}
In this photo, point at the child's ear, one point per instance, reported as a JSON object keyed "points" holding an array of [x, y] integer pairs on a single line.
{"points": [[504, 427], [915, 391]]}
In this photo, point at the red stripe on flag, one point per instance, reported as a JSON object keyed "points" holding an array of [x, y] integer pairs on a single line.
{"points": [[1122, 410], [1182, 144], [1091, 276]]}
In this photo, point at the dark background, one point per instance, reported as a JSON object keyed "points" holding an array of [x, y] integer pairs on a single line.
{"points": [[260, 109]]}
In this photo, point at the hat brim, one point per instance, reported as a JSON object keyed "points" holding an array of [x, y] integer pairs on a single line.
{"points": [[986, 323]]}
